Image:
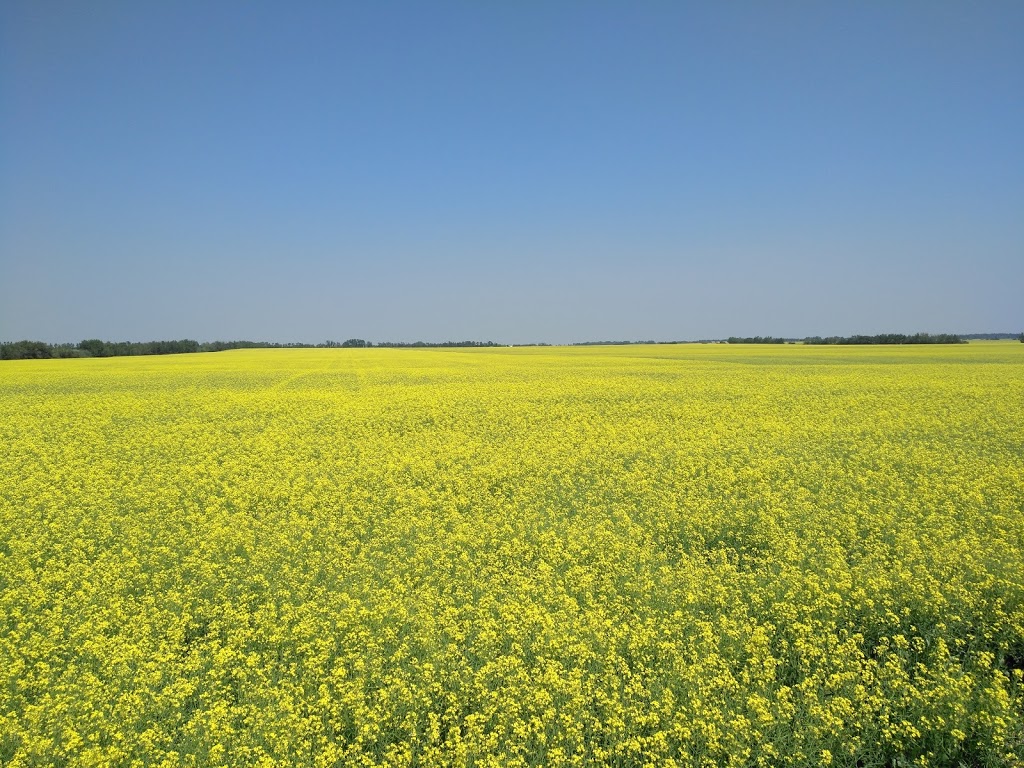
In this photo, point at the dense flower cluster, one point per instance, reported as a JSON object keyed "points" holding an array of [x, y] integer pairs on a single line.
{"points": [[644, 555]]}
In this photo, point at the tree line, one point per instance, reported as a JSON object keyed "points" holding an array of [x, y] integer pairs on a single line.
{"points": [[40, 350], [756, 340], [889, 338], [400, 344], [993, 336], [881, 338]]}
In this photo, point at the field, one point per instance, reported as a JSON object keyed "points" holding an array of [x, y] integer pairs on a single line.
{"points": [[695, 555]]}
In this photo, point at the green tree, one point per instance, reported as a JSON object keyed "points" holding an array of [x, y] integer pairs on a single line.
{"points": [[94, 347]]}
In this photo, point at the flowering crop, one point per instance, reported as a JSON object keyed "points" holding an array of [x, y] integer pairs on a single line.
{"points": [[645, 555]]}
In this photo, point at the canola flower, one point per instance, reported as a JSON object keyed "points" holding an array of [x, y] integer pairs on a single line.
{"points": [[623, 556]]}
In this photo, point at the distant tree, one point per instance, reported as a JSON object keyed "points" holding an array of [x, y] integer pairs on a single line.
{"points": [[65, 350], [94, 347], [755, 340], [25, 350], [888, 338], [355, 343]]}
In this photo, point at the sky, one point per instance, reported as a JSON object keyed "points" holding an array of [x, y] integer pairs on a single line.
{"points": [[518, 172]]}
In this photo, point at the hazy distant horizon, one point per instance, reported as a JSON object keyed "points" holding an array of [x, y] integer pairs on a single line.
{"points": [[500, 342], [558, 173]]}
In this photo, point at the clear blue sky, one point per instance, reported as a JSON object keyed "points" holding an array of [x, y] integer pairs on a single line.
{"points": [[556, 171]]}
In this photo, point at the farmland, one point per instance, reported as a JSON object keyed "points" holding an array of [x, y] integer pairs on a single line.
{"points": [[693, 555]]}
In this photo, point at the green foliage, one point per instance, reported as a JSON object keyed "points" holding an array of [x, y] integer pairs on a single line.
{"points": [[755, 340], [93, 347], [24, 350], [889, 338]]}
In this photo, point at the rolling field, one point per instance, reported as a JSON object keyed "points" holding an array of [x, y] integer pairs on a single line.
{"points": [[644, 555]]}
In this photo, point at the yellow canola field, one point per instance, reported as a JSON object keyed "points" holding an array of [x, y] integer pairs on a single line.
{"points": [[698, 555]]}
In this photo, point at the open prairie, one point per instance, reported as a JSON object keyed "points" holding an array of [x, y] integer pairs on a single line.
{"points": [[693, 555]]}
